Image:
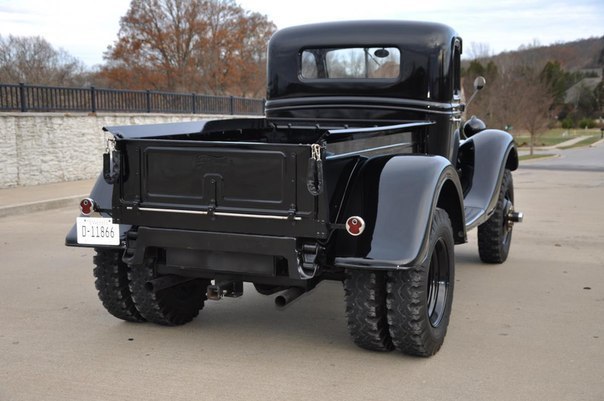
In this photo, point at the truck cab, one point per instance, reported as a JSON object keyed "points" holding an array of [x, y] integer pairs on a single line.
{"points": [[368, 72]]}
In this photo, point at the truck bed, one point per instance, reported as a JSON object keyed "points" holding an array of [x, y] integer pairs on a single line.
{"points": [[246, 176]]}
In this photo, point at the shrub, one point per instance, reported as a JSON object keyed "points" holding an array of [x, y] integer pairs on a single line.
{"points": [[568, 123], [587, 123]]}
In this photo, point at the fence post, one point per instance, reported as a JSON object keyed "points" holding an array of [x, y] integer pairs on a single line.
{"points": [[232, 105], [193, 107], [148, 101], [22, 96], [93, 99]]}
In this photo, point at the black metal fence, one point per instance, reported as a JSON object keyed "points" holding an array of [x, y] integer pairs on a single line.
{"points": [[24, 98]]}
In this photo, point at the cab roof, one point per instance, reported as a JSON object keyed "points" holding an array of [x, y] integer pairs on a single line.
{"points": [[419, 35]]}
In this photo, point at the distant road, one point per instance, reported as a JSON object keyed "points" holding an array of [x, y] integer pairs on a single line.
{"points": [[579, 159]]}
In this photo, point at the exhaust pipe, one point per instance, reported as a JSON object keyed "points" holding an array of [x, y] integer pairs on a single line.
{"points": [[288, 296], [163, 282]]}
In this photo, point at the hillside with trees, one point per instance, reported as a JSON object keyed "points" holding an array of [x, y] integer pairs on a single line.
{"points": [[528, 89]]}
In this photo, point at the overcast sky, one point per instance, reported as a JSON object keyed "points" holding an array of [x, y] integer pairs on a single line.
{"points": [[85, 28]]}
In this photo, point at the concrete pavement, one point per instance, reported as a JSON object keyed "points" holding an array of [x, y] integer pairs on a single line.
{"points": [[530, 329]]}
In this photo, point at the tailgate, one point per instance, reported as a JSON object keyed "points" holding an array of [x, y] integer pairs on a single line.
{"points": [[229, 179], [217, 186]]}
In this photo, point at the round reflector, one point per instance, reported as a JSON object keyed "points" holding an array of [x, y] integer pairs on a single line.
{"points": [[355, 225]]}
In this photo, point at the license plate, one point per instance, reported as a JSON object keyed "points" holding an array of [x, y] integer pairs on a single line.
{"points": [[98, 231]]}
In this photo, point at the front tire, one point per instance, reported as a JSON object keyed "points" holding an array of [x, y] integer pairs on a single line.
{"points": [[495, 234], [112, 285], [171, 306], [420, 298]]}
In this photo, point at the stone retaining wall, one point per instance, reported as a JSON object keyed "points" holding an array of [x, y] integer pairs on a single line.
{"points": [[42, 148]]}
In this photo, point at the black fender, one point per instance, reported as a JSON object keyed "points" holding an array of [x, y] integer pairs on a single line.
{"points": [[483, 159], [396, 197], [102, 194]]}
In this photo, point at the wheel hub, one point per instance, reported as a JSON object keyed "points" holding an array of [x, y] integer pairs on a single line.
{"points": [[511, 216]]}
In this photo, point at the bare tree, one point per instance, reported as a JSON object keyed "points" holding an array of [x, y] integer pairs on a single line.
{"points": [[530, 98], [479, 50], [34, 60]]}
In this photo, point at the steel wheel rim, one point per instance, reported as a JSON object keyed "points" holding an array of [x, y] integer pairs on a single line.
{"points": [[438, 283]]}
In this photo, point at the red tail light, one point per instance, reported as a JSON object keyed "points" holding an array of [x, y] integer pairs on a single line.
{"points": [[87, 206]]}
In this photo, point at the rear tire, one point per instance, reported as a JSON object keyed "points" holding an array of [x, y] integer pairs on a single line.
{"points": [[420, 298], [171, 306], [112, 285], [495, 234], [365, 293]]}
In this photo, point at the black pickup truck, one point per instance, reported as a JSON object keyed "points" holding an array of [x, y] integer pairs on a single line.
{"points": [[362, 171]]}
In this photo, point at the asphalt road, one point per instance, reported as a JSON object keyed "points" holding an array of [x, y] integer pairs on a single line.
{"points": [[531, 329]]}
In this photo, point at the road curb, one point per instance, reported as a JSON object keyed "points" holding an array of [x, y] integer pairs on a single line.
{"points": [[524, 161], [24, 208]]}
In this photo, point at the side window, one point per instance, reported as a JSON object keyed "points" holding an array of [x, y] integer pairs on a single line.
{"points": [[309, 65]]}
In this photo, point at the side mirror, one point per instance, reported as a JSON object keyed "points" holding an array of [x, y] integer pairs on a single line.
{"points": [[479, 83]]}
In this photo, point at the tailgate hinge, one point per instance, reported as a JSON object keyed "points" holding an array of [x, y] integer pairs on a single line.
{"points": [[314, 175], [111, 163]]}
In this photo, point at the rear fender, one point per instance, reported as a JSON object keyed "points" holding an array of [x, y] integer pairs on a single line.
{"points": [[396, 197], [102, 194], [485, 157]]}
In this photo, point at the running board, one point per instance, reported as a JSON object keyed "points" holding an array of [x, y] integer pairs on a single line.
{"points": [[475, 216]]}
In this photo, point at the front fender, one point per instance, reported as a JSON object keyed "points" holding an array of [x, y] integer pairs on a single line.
{"points": [[396, 196], [492, 152]]}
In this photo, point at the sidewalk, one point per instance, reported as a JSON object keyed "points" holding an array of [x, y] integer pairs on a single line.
{"points": [[20, 200]]}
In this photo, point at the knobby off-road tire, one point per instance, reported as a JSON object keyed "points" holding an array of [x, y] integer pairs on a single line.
{"points": [[495, 234], [420, 298], [112, 285], [365, 294], [171, 306]]}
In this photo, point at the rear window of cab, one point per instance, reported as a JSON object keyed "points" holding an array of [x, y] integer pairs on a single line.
{"points": [[351, 63]]}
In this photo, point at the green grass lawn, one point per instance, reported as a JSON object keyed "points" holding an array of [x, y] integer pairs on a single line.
{"points": [[586, 142], [558, 135]]}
